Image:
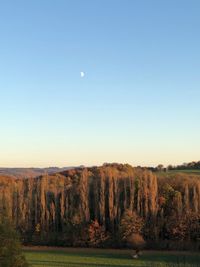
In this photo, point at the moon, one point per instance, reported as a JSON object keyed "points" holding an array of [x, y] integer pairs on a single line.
{"points": [[82, 74]]}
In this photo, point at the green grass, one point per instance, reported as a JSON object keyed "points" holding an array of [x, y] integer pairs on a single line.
{"points": [[40, 257], [172, 173], [197, 172]]}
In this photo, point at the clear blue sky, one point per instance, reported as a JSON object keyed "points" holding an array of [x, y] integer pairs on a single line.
{"points": [[139, 101]]}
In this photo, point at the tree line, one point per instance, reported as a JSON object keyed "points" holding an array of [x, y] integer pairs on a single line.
{"points": [[110, 206]]}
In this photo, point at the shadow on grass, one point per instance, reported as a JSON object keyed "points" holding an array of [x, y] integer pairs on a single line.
{"points": [[124, 259], [133, 263], [83, 254], [169, 259], [75, 264], [146, 257]]}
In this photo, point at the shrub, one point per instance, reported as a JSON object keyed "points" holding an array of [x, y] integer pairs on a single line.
{"points": [[10, 248]]}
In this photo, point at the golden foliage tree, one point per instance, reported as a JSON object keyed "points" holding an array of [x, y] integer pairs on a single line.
{"points": [[130, 229], [96, 234]]}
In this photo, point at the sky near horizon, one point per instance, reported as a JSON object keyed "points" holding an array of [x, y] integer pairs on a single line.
{"points": [[138, 101]]}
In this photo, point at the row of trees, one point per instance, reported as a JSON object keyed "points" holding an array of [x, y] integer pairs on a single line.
{"points": [[108, 206], [130, 234], [194, 165]]}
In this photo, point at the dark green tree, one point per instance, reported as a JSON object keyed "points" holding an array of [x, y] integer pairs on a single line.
{"points": [[10, 248]]}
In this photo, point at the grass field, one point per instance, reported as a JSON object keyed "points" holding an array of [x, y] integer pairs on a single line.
{"points": [[172, 173], [71, 257], [197, 172]]}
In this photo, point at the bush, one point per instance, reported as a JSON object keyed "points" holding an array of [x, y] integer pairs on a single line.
{"points": [[130, 230], [10, 248], [136, 241]]}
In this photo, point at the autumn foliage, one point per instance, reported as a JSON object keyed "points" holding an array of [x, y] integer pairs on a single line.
{"points": [[112, 205], [97, 235]]}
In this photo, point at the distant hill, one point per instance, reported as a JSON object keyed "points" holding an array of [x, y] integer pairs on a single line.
{"points": [[30, 172]]}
